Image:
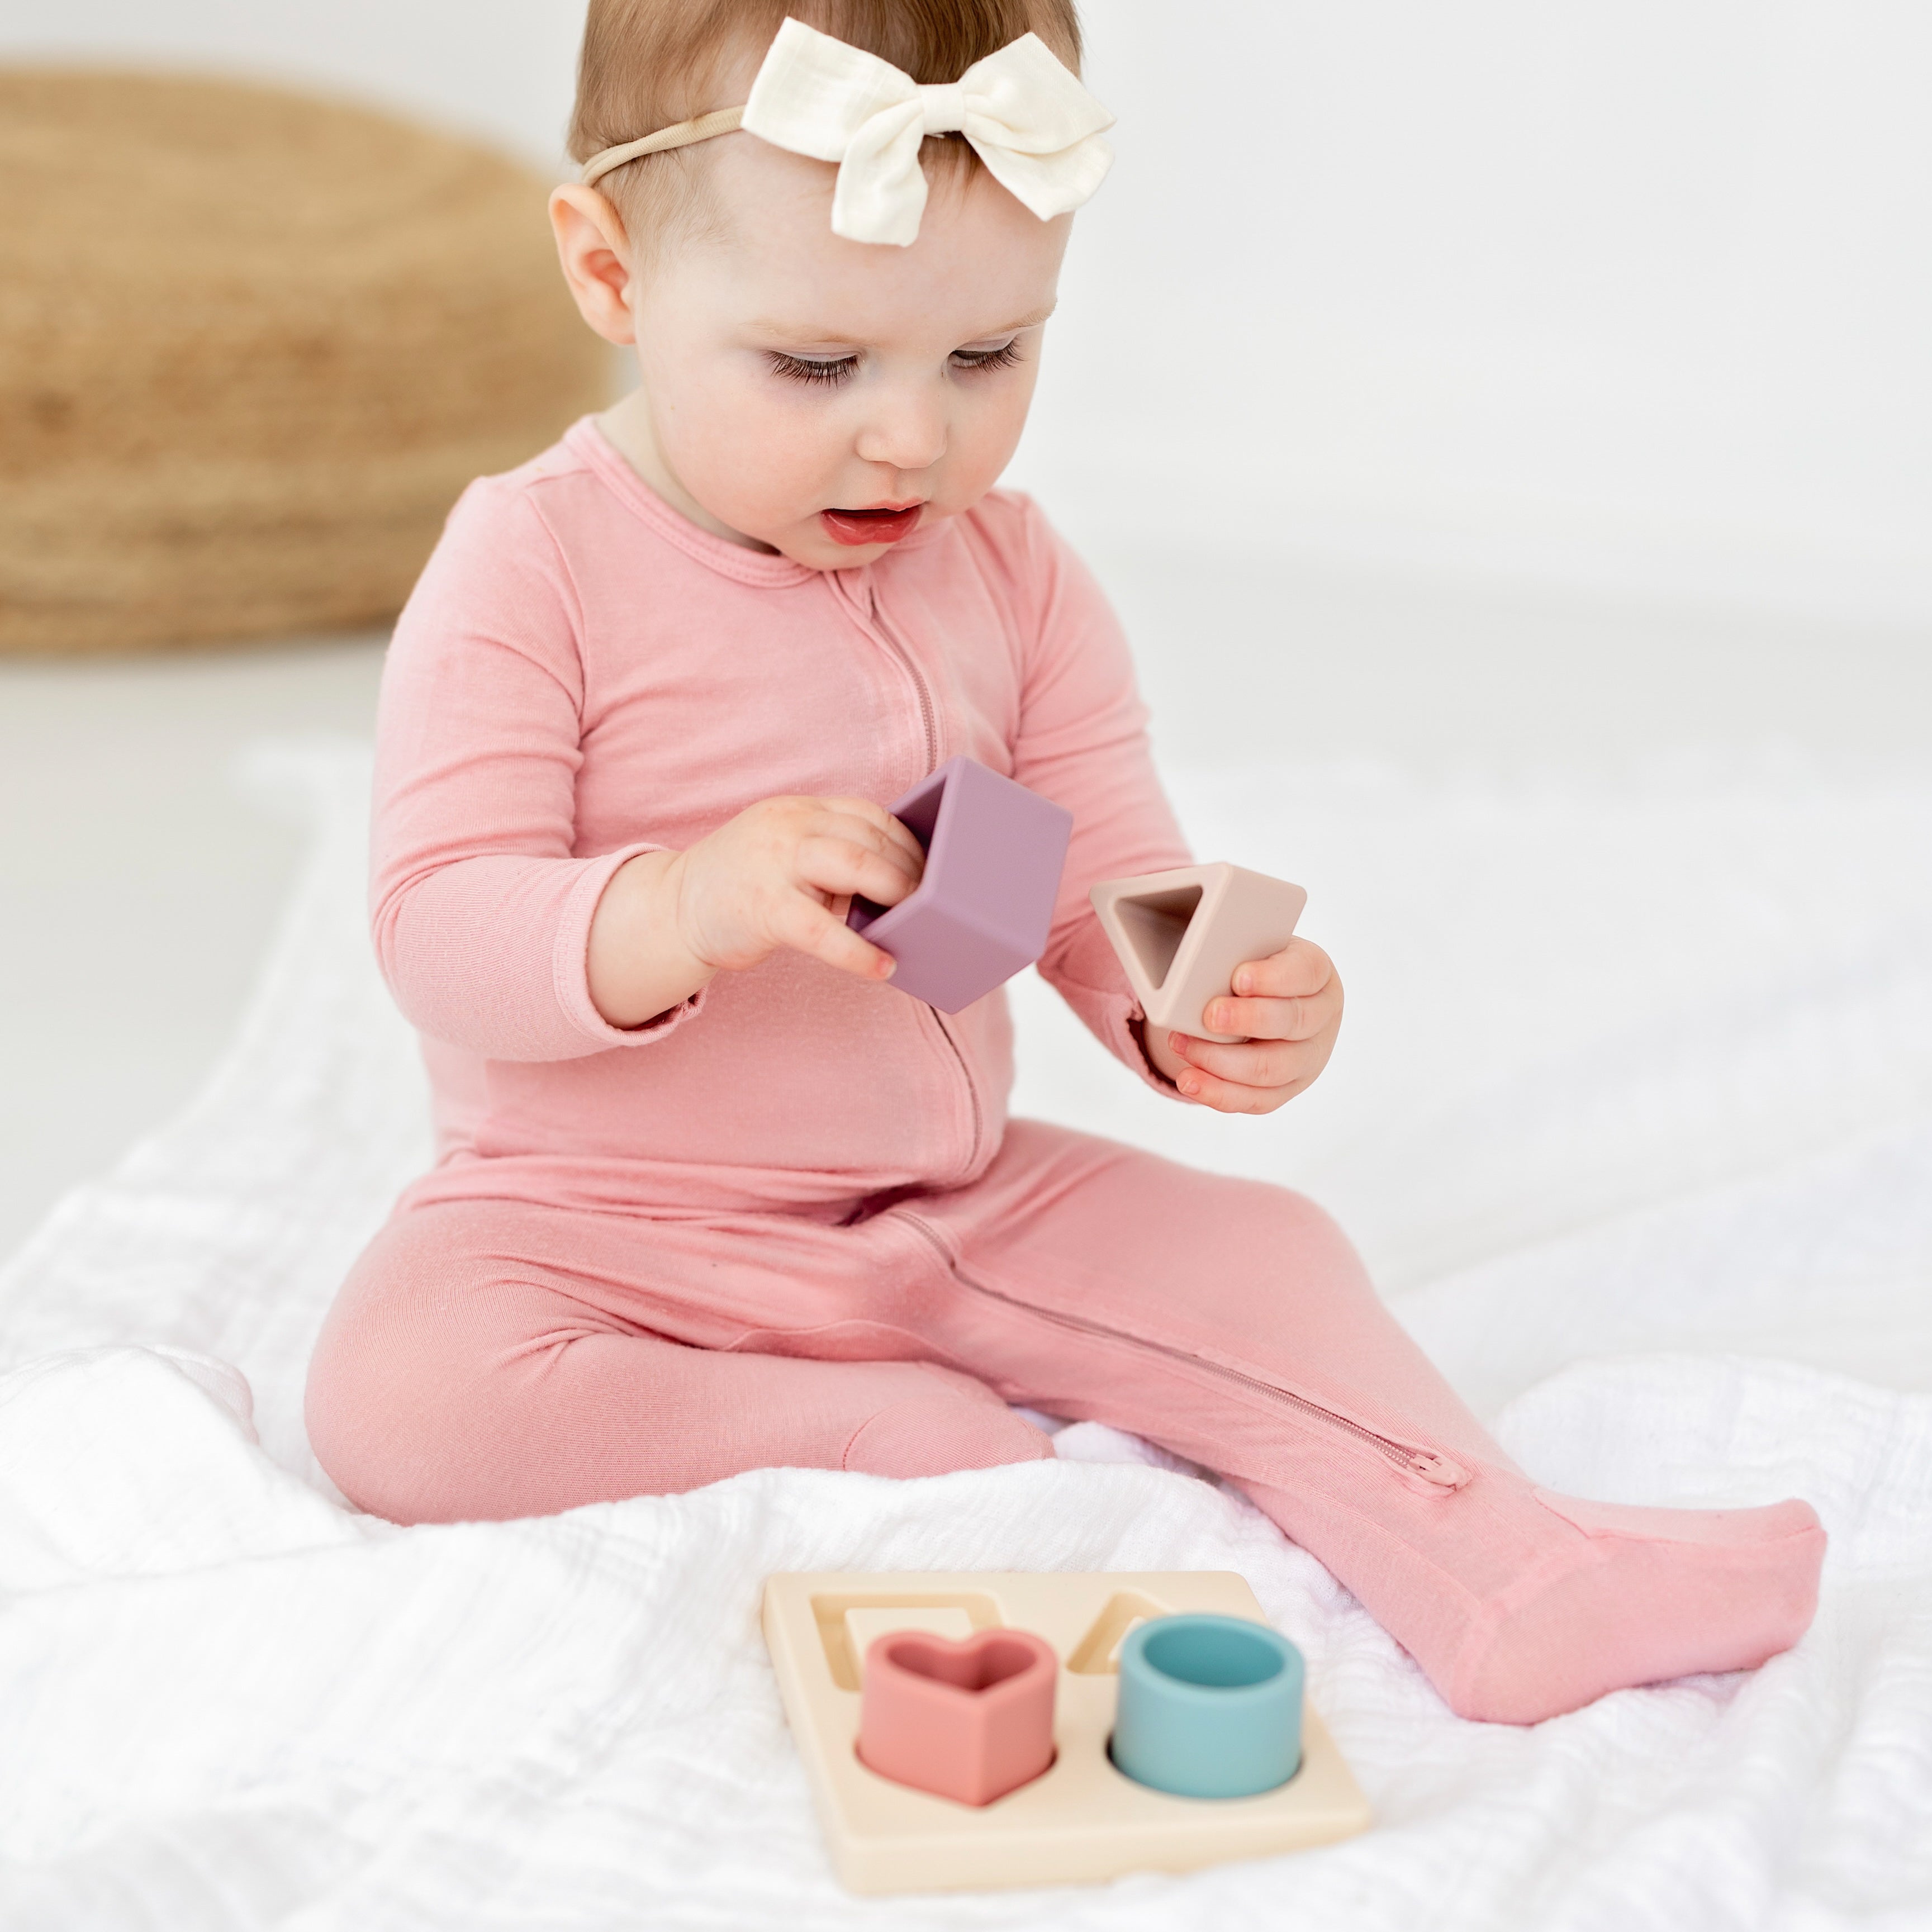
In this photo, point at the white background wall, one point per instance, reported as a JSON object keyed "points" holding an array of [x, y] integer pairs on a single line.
{"points": [[1622, 294]]}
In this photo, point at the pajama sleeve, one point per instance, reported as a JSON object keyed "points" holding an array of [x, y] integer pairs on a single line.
{"points": [[480, 906], [1083, 742]]}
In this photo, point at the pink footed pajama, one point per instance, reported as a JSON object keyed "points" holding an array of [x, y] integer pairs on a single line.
{"points": [[788, 1222]]}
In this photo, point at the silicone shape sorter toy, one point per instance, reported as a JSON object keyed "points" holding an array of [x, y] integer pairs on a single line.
{"points": [[1180, 935], [993, 854], [971, 1718], [1209, 1707], [1081, 1819]]}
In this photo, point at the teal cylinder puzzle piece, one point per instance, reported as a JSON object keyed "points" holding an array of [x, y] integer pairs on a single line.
{"points": [[1210, 1707]]}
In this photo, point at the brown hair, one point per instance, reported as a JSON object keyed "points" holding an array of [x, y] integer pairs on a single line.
{"points": [[649, 63]]}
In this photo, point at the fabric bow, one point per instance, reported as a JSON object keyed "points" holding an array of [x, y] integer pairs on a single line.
{"points": [[1032, 123]]}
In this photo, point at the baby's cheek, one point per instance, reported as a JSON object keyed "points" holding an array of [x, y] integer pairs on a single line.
{"points": [[976, 459], [756, 465], [983, 434]]}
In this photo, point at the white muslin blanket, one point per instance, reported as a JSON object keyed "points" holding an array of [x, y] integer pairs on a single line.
{"points": [[1632, 1117]]}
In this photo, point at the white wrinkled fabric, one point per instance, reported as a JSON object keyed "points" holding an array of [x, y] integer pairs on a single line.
{"points": [[1029, 119], [1643, 1124]]}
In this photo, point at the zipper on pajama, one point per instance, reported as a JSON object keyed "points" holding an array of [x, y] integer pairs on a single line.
{"points": [[866, 614], [972, 1088], [870, 618], [1419, 1466]]}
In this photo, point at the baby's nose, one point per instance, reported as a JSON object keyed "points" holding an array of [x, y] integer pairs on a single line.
{"points": [[909, 439]]}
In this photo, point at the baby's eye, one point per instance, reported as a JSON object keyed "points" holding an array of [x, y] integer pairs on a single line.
{"points": [[824, 371], [1004, 357]]}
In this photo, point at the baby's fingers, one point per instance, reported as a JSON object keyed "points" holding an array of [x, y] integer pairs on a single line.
{"points": [[1292, 995], [881, 821], [804, 926], [1267, 1064], [1270, 1019], [1299, 969], [850, 860], [1233, 1097]]}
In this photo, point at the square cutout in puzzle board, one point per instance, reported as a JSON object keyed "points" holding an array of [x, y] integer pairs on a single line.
{"points": [[1080, 1820]]}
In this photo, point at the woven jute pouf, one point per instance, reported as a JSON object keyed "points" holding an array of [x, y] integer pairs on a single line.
{"points": [[252, 347]]}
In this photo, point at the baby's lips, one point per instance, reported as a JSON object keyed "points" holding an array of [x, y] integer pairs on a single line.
{"points": [[856, 528]]}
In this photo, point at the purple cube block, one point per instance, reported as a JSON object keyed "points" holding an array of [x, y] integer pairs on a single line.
{"points": [[994, 853]]}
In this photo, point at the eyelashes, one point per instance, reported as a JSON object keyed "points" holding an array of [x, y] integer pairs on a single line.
{"points": [[827, 374], [832, 372], [1002, 358]]}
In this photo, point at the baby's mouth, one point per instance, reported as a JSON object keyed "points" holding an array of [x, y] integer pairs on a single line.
{"points": [[881, 526]]}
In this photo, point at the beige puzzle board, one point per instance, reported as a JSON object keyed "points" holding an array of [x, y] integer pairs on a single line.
{"points": [[1081, 1819]]}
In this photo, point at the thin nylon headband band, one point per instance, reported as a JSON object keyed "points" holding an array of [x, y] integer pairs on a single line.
{"points": [[681, 135]]}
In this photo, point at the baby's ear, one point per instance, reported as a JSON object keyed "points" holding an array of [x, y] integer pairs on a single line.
{"points": [[595, 254]]}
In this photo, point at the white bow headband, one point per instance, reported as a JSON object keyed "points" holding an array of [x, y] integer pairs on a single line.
{"points": [[1036, 128]]}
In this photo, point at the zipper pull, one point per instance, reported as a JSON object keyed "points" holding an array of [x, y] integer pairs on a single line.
{"points": [[1436, 1473]]}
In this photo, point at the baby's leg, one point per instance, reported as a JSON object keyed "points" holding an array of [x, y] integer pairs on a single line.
{"points": [[1231, 1322], [456, 1377]]}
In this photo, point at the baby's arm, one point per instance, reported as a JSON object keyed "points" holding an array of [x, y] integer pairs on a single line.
{"points": [[776, 876], [485, 916], [1083, 741]]}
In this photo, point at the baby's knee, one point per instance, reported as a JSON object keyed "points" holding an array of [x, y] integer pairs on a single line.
{"points": [[380, 1366], [358, 1421]]}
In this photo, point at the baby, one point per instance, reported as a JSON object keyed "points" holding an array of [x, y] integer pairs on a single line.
{"points": [[710, 1194]]}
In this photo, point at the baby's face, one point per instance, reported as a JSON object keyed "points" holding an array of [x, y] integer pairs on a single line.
{"points": [[826, 398]]}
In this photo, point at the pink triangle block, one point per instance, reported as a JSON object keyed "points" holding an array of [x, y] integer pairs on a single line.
{"points": [[1180, 934], [993, 854]]}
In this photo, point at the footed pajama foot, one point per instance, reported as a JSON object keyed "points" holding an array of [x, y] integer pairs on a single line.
{"points": [[1633, 1596], [1520, 1604]]}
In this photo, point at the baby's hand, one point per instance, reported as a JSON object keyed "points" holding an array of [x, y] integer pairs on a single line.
{"points": [[1290, 1006], [782, 875], [779, 875]]}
